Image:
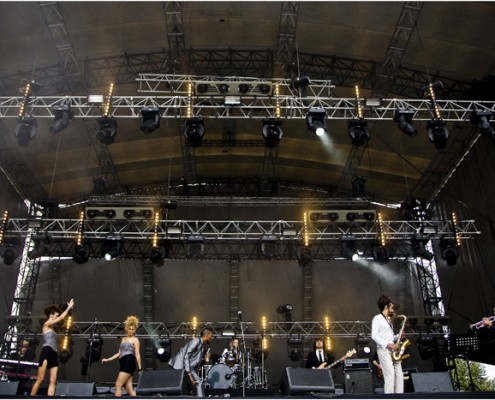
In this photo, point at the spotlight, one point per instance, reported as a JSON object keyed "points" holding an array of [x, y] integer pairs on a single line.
{"points": [[300, 83], [295, 348], [418, 243], [81, 254], [482, 121], [157, 255], [380, 254], [358, 131], [449, 251], [268, 246], [363, 346], [63, 115], [403, 119], [195, 246], [348, 247], [9, 253], [202, 88], [40, 247], [111, 248], [438, 133], [25, 131], [243, 88], [304, 256], [316, 120], [150, 119], [265, 88], [223, 88], [286, 311], [194, 131], [272, 132], [107, 130], [163, 349]]}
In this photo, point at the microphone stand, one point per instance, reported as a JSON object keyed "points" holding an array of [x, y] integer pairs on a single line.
{"points": [[243, 354], [91, 339]]}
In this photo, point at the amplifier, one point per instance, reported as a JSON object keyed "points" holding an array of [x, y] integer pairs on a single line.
{"points": [[356, 363]]}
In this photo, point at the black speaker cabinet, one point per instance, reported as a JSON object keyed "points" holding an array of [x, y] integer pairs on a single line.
{"points": [[431, 382], [8, 388], [297, 381], [170, 382], [75, 389], [358, 381]]}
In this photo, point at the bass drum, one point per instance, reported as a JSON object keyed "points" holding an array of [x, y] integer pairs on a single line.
{"points": [[220, 376]]}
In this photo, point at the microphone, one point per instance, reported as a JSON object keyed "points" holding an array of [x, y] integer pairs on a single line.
{"points": [[239, 314]]}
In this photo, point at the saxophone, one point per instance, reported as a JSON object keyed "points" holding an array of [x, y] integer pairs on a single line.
{"points": [[398, 354]]}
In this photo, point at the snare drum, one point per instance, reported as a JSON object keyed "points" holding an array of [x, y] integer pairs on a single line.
{"points": [[220, 376]]}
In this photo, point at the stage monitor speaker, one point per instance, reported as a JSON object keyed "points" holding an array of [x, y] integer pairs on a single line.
{"points": [[8, 388], [168, 382], [358, 382], [431, 382], [75, 389], [297, 381]]}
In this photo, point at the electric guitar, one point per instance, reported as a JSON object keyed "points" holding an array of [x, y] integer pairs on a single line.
{"points": [[349, 353]]}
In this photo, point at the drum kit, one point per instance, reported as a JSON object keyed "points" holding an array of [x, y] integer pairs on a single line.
{"points": [[228, 373]]}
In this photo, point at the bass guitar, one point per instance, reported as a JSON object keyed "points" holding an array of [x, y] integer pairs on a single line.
{"points": [[349, 353]]}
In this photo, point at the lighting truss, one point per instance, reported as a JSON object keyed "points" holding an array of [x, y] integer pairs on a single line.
{"points": [[169, 94]]}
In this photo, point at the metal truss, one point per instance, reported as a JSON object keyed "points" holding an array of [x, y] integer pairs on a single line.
{"points": [[174, 106], [286, 44], [177, 60]]}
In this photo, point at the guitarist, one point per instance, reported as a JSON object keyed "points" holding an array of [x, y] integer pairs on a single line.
{"points": [[319, 358]]}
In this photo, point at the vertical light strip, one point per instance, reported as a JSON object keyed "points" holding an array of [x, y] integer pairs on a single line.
{"points": [[3, 228], [359, 104], [434, 104], [457, 236], [277, 102], [189, 112], [305, 229], [26, 94], [80, 229], [381, 233], [108, 103], [155, 231]]}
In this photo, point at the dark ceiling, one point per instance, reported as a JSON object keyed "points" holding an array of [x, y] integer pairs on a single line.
{"points": [[76, 48]]}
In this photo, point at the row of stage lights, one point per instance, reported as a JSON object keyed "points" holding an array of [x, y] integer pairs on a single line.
{"points": [[272, 133], [113, 245]]}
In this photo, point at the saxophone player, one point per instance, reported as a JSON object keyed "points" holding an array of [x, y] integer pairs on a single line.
{"points": [[382, 333]]}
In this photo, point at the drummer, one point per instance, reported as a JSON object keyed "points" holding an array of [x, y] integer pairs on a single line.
{"points": [[232, 354]]}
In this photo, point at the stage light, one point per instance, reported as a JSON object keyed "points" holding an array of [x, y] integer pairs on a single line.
{"points": [[380, 253], [358, 184], [295, 348], [25, 131], [223, 88], [482, 121], [150, 119], [363, 345], [202, 88], [195, 246], [449, 251], [304, 255], [81, 253], [300, 83], [194, 131], [265, 88], [438, 133], [272, 132], [163, 349], [243, 88], [348, 247], [403, 119], [40, 247], [99, 185], [156, 255], [9, 253], [358, 131], [268, 246], [107, 130], [112, 247], [316, 120], [418, 247], [62, 115], [286, 311]]}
